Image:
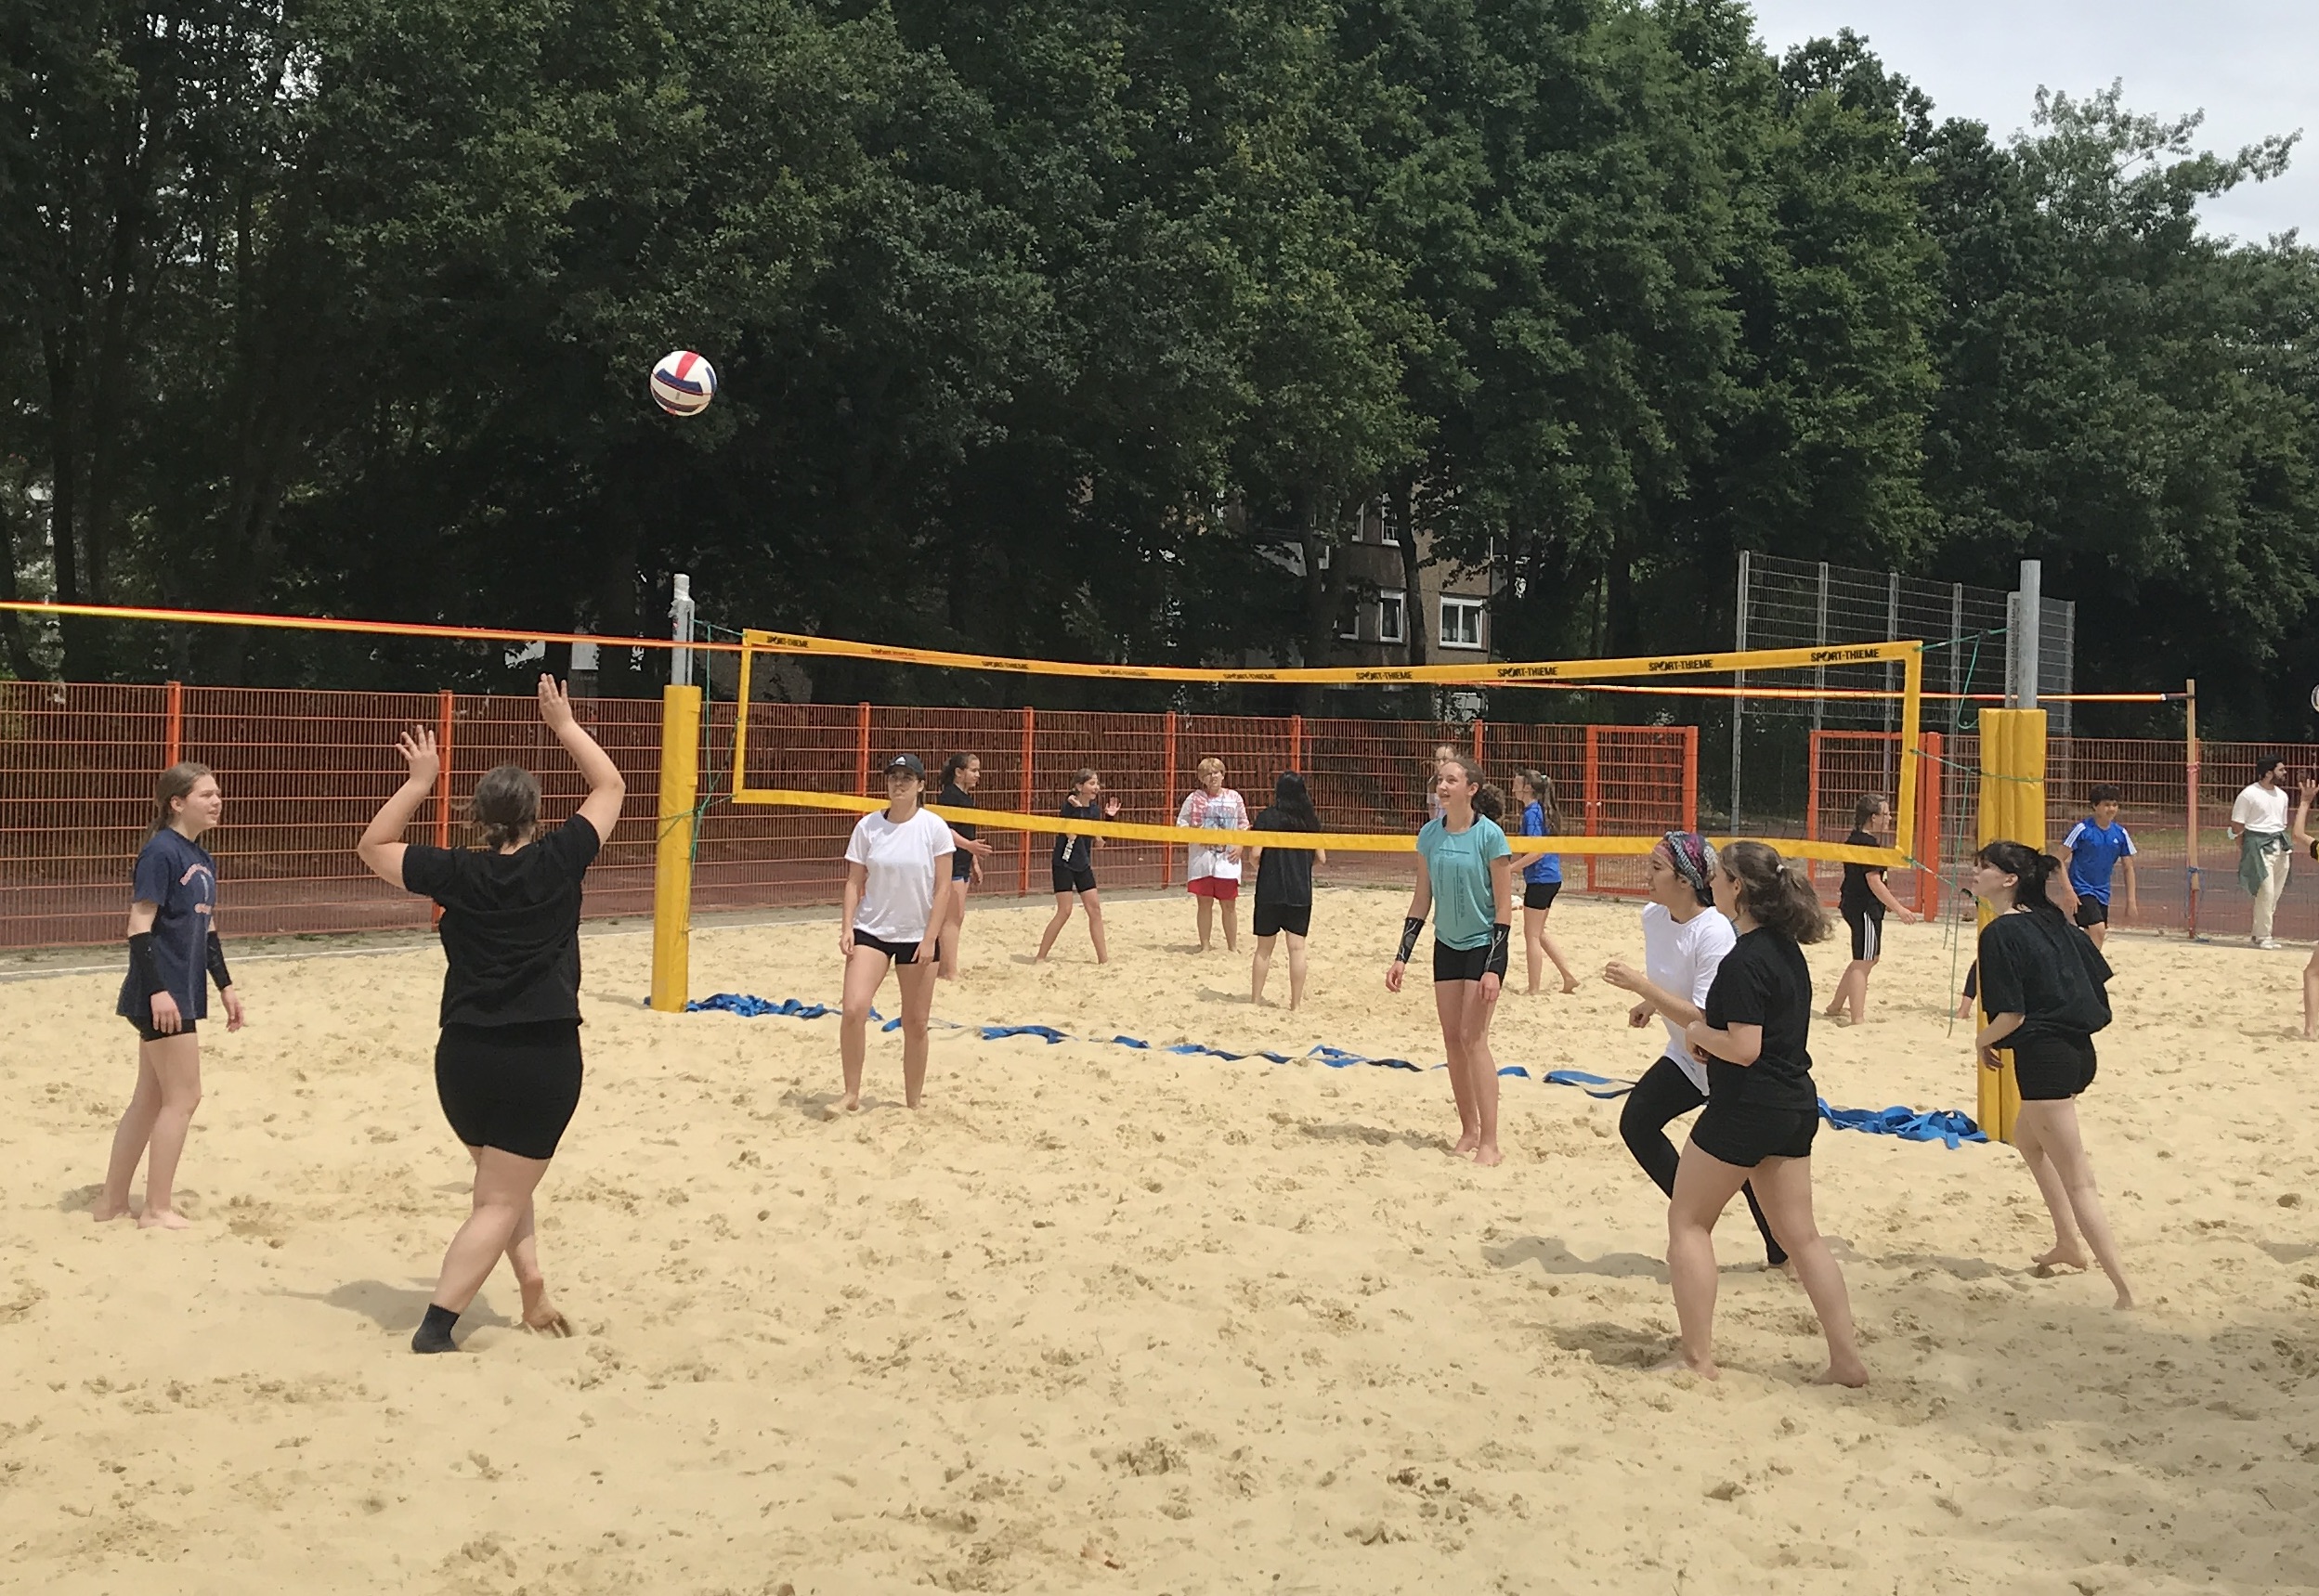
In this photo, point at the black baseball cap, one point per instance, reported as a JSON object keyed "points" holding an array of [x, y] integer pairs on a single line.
{"points": [[906, 762]]}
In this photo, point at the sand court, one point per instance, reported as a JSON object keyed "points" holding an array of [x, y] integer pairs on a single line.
{"points": [[1103, 1319]]}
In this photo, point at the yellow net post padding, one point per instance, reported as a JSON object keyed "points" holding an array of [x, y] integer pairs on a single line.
{"points": [[1910, 655], [2012, 808]]}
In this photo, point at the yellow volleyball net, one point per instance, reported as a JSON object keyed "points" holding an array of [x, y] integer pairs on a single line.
{"points": [[756, 766]]}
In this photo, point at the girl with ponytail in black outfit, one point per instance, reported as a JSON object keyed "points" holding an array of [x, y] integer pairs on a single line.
{"points": [[2043, 991], [507, 1066], [1763, 1108]]}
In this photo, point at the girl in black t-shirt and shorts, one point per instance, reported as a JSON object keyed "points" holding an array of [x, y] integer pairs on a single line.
{"points": [[507, 1068], [2043, 988], [1763, 1108], [1284, 878], [961, 774], [1074, 865]]}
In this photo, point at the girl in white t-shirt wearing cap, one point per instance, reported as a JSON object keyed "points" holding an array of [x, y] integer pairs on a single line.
{"points": [[1683, 942], [893, 862]]}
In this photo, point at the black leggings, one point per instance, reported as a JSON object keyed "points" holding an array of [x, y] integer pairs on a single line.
{"points": [[1662, 1095]]}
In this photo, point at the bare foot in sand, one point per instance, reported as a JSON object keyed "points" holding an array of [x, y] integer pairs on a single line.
{"points": [[162, 1219], [1488, 1156], [1467, 1143], [1853, 1374], [1570, 986], [105, 1212], [1681, 1363], [2059, 1259], [541, 1314], [2125, 1301]]}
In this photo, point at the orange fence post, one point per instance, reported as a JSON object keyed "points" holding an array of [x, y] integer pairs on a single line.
{"points": [[1296, 743], [2190, 808], [173, 730], [1927, 846], [1167, 793], [861, 749], [1593, 794], [1030, 724], [446, 705], [1811, 801], [1690, 778], [1478, 725]]}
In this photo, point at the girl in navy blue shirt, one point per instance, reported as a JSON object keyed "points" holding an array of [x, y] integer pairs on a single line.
{"points": [[174, 955]]}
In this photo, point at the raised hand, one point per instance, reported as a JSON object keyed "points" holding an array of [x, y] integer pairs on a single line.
{"points": [[418, 749], [555, 704]]}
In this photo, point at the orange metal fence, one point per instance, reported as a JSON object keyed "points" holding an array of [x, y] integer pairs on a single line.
{"points": [[304, 771], [2153, 779]]}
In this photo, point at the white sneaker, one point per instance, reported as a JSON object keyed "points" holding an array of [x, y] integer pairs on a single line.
{"points": [[2270, 944]]}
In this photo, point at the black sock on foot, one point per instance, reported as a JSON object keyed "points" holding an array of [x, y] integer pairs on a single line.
{"points": [[434, 1331]]}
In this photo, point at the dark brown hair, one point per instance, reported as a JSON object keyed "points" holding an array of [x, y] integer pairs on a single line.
{"points": [[178, 782], [505, 807], [1775, 892], [1867, 807], [1489, 801]]}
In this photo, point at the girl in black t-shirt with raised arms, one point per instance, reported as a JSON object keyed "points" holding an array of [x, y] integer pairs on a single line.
{"points": [[2043, 988], [507, 1068], [1763, 1108]]}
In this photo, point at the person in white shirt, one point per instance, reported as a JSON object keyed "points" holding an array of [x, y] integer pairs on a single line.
{"points": [[2258, 822], [1212, 870], [1683, 942], [894, 861]]}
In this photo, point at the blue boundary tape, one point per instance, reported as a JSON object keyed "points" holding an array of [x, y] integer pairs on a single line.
{"points": [[1952, 1126]]}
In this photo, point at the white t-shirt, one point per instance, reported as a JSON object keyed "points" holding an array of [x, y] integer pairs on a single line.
{"points": [[1223, 812], [1682, 959], [2258, 810], [904, 862]]}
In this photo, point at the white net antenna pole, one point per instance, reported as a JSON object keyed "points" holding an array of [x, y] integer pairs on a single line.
{"points": [[680, 615], [2024, 689]]}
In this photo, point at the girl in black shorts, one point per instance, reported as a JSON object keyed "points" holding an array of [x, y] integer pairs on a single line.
{"points": [[2043, 988], [507, 1069], [961, 774], [174, 955], [895, 864], [1763, 1108], [1283, 885], [1073, 862]]}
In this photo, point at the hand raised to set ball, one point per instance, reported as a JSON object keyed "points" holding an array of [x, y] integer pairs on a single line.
{"points": [[418, 749]]}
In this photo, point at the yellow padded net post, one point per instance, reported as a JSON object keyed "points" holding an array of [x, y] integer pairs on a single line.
{"points": [[2012, 808], [673, 864]]}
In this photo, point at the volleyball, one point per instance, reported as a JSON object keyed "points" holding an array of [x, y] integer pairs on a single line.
{"points": [[2314, 699], [682, 383]]}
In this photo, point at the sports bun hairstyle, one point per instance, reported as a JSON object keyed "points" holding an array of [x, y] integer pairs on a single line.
{"points": [[2032, 871], [505, 807], [1775, 891], [1489, 801]]}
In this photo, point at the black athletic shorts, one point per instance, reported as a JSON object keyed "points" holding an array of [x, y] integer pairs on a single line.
{"points": [[1275, 919], [961, 864], [513, 1087], [2092, 912], [1868, 932], [1540, 894], [1074, 878], [145, 1031], [1460, 964], [900, 952], [2049, 1068], [1746, 1135]]}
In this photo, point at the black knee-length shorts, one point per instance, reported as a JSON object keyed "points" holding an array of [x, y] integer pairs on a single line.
{"points": [[514, 1087]]}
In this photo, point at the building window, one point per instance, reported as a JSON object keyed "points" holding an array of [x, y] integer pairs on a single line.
{"points": [[1389, 522], [1460, 623], [1349, 629], [1392, 624]]}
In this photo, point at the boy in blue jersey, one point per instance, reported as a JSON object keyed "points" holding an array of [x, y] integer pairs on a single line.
{"points": [[2095, 847]]}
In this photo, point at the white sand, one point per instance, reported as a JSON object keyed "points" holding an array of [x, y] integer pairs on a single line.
{"points": [[1103, 1320]]}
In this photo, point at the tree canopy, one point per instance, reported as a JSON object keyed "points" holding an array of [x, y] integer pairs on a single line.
{"points": [[1047, 326]]}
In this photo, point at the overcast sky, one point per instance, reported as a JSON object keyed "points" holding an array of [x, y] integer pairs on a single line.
{"points": [[2251, 65]]}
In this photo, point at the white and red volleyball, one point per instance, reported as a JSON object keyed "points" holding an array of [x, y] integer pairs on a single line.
{"points": [[682, 383]]}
